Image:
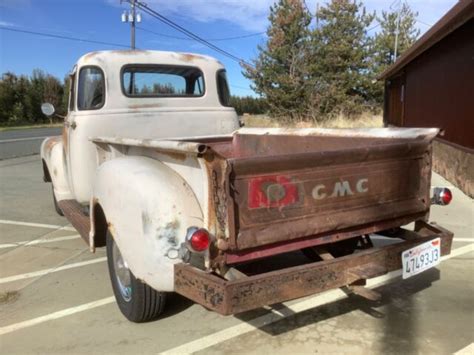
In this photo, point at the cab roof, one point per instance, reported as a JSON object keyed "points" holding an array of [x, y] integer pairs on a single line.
{"points": [[121, 57]]}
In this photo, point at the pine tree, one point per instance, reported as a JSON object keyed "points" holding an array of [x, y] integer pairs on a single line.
{"points": [[384, 42], [340, 51], [280, 73]]}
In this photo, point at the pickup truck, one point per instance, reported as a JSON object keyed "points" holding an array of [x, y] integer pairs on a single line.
{"points": [[153, 165]]}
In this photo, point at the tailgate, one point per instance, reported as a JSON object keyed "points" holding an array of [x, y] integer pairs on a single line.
{"points": [[287, 196]]}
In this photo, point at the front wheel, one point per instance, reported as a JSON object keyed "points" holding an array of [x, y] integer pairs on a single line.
{"points": [[137, 301]]}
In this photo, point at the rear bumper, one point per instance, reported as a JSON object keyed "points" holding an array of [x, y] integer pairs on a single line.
{"points": [[230, 297]]}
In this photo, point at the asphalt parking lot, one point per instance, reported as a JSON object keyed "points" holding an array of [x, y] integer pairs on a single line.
{"points": [[23, 142], [56, 296]]}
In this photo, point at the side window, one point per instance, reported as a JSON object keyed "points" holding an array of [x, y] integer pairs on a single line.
{"points": [[91, 89], [223, 88]]}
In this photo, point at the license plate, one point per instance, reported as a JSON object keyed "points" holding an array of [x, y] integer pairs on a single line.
{"points": [[421, 258]]}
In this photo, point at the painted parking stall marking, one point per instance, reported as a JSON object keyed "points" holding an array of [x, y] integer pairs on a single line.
{"points": [[51, 270], [39, 241], [39, 225]]}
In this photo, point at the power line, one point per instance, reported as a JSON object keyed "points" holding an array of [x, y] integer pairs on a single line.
{"points": [[237, 37], [207, 39], [373, 27], [44, 34], [188, 33], [424, 23], [240, 87]]}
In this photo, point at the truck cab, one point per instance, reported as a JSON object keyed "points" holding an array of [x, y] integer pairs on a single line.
{"points": [[140, 94]]}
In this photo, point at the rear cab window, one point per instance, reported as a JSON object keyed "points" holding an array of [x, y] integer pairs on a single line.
{"points": [[162, 81], [91, 88]]}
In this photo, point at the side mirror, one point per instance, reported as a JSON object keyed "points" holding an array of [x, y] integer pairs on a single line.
{"points": [[47, 109]]}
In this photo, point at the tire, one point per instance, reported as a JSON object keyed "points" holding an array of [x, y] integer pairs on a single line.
{"points": [[337, 249], [137, 301], [56, 205]]}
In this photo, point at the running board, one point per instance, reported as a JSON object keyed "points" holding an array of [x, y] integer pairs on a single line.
{"points": [[74, 212]]}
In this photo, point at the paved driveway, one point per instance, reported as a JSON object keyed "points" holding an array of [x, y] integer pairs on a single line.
{"points": [[55, 297]]}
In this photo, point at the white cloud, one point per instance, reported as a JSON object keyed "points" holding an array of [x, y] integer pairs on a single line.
{"points": [[251, 15]]}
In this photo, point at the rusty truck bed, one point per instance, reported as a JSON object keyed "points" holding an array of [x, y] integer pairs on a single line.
{"points": [[273, 191]]}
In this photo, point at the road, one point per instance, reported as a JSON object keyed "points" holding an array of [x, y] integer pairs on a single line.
{"points": [[23, 142], [55, 296]]}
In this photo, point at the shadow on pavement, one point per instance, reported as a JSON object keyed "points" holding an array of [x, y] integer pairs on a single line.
{"points": [[397, 311]]}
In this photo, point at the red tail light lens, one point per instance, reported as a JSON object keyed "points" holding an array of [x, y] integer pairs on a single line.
{"points": [[446, 196], [441, 196], [198, 239], [272, 191]]}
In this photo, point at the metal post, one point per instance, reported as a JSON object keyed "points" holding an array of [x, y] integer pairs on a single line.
{"points": [[132, 24], [396, 32]]}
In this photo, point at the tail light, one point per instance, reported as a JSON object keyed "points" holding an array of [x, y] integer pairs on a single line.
{"points": [[441, 196], [198, 239]]}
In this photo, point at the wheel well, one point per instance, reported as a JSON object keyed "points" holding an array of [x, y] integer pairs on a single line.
{"points": [[46, 175], [100, 226]]}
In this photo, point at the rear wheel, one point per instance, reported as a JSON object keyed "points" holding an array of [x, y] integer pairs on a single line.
{"points": [[337, 249], [137, 301]]}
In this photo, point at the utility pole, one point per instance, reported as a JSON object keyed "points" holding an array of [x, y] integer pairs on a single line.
{"points": [[133, 17], [132, 25]]}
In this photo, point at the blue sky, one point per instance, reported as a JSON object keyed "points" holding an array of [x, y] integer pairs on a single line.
{"points": [[99, 20]]}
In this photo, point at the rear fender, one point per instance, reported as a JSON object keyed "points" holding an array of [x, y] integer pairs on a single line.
{"points": [[148, 208], [54, 167]]}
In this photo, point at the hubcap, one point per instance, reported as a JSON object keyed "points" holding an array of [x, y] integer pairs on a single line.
{"points": [[122, 274]]}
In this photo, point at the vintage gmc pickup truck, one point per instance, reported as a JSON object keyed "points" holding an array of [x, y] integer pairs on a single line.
{"points": [[152, 165]]}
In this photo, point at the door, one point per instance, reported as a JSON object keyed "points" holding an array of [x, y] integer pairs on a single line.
{"points": [[396, 96], [67, 123], [87, 96]]}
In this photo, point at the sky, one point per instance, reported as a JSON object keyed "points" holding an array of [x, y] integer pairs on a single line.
{"points": [[100, 20]]}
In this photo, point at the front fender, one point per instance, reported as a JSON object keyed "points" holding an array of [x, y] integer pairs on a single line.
{"points": [[52, 155], [148, 208]]}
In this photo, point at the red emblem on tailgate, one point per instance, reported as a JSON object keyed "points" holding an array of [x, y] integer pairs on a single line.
{"points": [[272, 191]]}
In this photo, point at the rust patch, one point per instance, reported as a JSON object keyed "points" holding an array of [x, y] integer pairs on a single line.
{"points": [[188, 57], [51, 143], [270, 287], [65, 140], [139, 106], [111, 229]]}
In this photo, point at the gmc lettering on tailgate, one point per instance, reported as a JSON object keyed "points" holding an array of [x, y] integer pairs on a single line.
{"points": [[280, 191]]}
